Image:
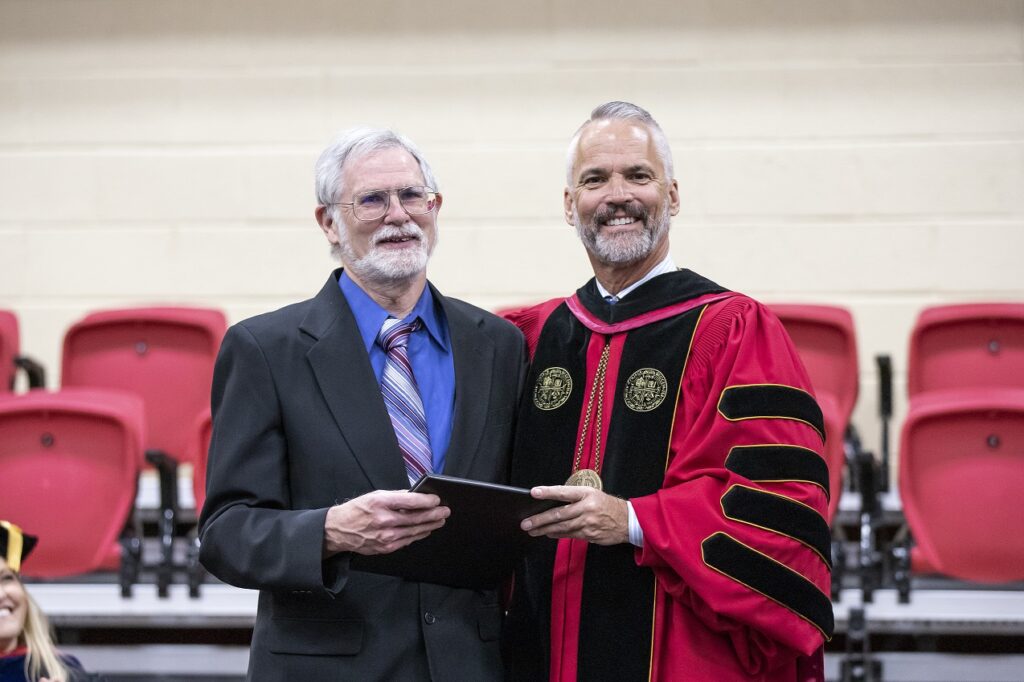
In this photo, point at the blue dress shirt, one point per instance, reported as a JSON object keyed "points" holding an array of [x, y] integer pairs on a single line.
{"points": [[430, 353]]}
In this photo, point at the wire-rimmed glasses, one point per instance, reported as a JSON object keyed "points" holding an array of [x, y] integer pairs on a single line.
{"points": [[373, 204]]}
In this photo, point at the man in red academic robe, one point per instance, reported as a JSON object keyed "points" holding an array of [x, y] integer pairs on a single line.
{"points": [[680, 421]]}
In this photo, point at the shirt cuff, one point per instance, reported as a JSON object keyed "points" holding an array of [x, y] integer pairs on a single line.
{"points": [[636, 533]]}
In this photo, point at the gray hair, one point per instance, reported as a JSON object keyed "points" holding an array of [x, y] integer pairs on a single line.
{"points": [[622, 111], [352, 144]]}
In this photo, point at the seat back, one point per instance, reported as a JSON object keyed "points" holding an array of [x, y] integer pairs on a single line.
{"points": [[965, 345], [827, 343], [825, 339], [164, 355], [961, 476], [69, 462], [834, 451], [200, 449], [8, 349]]}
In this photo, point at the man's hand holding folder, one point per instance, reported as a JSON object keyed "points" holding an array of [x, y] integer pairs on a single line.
{"points": [[476, 546], [382, 521]]}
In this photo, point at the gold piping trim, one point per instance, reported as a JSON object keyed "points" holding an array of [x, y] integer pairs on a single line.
{"points": [[668, 454], [654, 616], [679, 391]]}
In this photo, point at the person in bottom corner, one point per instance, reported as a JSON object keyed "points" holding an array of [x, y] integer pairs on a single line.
{"points": [[27, 651]]}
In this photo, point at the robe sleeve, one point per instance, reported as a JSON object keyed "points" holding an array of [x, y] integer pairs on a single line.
{"points": [[737, 533]]}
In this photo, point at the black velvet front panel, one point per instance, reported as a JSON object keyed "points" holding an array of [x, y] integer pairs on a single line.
{"points": [[618, 596]]}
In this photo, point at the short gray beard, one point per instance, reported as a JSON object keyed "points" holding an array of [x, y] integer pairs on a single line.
{"points": [[381, 266], [623, 248]]}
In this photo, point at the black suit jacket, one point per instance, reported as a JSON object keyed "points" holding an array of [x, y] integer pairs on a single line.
{"points": [[299, 425]]}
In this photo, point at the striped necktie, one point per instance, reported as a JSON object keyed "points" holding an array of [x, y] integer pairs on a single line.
{"points": [[402, 397]]}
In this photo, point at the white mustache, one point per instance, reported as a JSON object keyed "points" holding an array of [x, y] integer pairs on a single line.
{"points": [[407, 231]]}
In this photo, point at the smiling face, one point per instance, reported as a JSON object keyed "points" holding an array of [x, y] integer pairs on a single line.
{"points": [[620, 200], [395, 247], [13, 608]]}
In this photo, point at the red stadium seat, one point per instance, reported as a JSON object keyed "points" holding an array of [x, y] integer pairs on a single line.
{"points": [[835, 453], [825, 338], [826, 341], [964, 345], [10, 358], [69, 462], [961, 476], [199, 450], [165, 356], [8, 349]]}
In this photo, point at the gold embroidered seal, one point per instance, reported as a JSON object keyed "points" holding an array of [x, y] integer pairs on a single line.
{"points": [[645, 389], [553, 388]]}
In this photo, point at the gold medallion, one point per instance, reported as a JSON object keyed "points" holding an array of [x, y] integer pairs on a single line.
{"points": [[553, 388], [645, 390], [585, 477]]}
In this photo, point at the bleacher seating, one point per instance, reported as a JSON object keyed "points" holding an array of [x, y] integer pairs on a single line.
{"points": [[961, 469], [9, 340], [960, 465], [164, 355], [961, 477], [826, 341], [70, 461], [198, 451], [964, 345], [11, 359]]}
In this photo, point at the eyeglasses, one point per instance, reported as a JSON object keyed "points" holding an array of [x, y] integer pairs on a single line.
{"points": [[374, 203]]}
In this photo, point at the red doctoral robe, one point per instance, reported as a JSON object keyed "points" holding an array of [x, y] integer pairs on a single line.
{"points": [[691, 402]]}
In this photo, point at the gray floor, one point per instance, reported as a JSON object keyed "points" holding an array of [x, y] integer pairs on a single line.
{"points": [[164, 661], [177, 663], [906, 667]]}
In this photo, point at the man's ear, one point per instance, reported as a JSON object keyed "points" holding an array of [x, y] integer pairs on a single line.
{"points": [[325, 220], [567, 200], [673, 198]]}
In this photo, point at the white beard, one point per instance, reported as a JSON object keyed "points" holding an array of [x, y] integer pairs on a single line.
{"points": [[384, 266], [623, 248]]}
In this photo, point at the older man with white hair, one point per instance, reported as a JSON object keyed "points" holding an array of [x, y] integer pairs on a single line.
{"points": [[326, 410]]}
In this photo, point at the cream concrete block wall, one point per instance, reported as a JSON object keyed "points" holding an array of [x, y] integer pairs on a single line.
{"points": [[862, 153]]}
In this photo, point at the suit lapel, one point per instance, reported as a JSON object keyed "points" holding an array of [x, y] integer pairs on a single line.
{"points": [[345, 377], [473, 354]]}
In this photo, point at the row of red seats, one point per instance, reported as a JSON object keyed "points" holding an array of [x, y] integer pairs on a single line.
{"points": [[961, 446], [135, 389], [961, 440]]}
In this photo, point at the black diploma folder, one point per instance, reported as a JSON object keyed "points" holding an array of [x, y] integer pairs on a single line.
{"points": [[479, 544]]}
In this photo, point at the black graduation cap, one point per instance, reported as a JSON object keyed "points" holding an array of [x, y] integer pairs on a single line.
{"points": [[15, 545]]}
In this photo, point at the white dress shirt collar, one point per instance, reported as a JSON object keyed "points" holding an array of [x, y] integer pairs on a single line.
{"points": [[667, 265]]}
